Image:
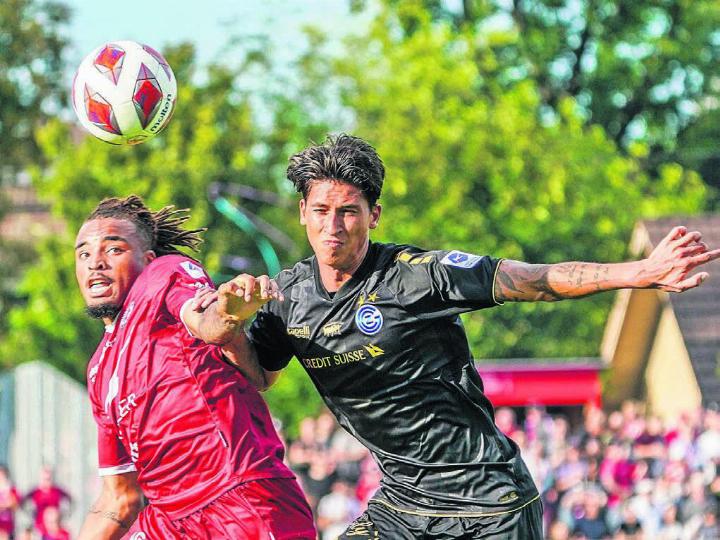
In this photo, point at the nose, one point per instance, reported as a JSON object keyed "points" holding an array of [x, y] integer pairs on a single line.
{"points": [[335, 222], [97, 261]]}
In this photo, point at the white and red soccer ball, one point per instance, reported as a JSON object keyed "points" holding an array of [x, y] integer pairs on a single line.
{"points": [[124, 92]]}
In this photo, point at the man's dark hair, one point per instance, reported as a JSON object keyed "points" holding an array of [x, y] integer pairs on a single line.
{"points": [[345, 158], [162, 230]]}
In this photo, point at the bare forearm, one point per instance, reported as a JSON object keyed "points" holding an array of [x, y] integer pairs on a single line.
{"points": [[522, 282], [109, 520], [218, 329], [241, 353]]}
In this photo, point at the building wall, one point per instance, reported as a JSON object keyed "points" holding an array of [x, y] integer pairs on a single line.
{"points": [[631, 344], [45, 419], [669, 377]]}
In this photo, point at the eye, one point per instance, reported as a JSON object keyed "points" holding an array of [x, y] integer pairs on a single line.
{"points": [[114, 250], [83, 255]]}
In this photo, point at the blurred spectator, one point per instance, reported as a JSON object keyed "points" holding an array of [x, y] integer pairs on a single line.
{"points": [[590, 520], [9, 501], [347, 453], [696, 500], [558, 530], [670, 528], [45, 495], [52, 528], [26, 534], [304, 447], [369, 480], [337, 510], [630, 527]]}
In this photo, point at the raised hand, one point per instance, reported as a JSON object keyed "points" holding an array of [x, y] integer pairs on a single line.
{"points": [[242, 296], [675, 257]]}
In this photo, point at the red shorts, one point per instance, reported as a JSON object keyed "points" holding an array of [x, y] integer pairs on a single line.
{"points": [[271, 509]]}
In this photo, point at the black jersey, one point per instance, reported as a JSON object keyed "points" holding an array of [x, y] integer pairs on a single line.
{"points": [[389, 355]]}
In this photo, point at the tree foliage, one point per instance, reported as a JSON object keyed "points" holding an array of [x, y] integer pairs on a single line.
{"points": [[31, 64], [645, 71]]}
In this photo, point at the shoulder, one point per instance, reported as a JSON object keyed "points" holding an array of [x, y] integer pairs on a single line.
{"points": [[405, 258], [300, 272], [169, 264], [171, 268]]}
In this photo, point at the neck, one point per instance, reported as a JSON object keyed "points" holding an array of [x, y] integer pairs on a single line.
{"points": [[333, 277]]}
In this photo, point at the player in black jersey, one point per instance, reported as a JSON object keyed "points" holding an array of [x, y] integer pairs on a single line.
{"points": [[377, 328]]}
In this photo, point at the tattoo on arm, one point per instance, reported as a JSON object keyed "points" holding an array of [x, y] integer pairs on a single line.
{"points": [[112, 516], [521, 282], [525, 282]]}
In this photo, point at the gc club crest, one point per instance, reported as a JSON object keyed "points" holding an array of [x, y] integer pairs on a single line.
{"points": [[369, 319]]}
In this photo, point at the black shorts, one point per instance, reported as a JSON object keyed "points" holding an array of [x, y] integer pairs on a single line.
{"points": [[384, 523]]}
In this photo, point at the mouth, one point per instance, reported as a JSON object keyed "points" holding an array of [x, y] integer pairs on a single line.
{"points": [[99, 286], [333, 243]]}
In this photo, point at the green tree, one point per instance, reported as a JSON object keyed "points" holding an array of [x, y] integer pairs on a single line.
{"points": [[643, 70], [474, 165], [31, 69]]}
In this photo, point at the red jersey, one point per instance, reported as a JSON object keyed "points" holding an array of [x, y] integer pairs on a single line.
{"points": [[43, 498], [168, 405]]}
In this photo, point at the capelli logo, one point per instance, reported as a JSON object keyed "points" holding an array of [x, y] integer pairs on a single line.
{"points": [[139, 536]]}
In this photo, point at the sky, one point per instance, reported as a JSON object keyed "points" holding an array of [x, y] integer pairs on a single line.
{"points": [[207, 23]]}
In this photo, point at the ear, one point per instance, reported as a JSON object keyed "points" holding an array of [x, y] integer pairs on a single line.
{"points": [[149, 256], [375, 215], [302, 212]]}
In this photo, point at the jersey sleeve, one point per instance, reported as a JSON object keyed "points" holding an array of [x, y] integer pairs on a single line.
{"points": [[187, 278], [112, 456], [269, 336], [442, 283]]}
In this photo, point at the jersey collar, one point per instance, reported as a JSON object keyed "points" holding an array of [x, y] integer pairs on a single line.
{"points": [[359, 275]]}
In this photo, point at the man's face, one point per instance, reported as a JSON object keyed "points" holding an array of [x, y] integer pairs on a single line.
{"points": [[338, 220], [109, 256]]}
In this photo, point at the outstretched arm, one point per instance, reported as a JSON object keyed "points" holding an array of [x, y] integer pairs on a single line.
{"points": [[116, 509], [667, 268]]}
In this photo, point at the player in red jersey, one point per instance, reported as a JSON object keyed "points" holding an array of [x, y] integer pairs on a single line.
{"points": [[176, 421]]}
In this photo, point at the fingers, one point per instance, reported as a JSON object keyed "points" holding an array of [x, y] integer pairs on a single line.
{"points": [[203, 299], [692, 281], [687, 239], [674, 234], [704, 257], [262, 287]]}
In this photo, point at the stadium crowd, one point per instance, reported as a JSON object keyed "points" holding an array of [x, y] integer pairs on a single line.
{"points": [[608, 475], [617, 475], [45, 503]]}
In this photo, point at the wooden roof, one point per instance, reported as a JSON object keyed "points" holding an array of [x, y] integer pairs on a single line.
{"points": [[698, 310]]}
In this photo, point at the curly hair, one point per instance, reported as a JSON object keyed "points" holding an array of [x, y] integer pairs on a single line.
{"points": [[345, 158], [162, 230]]}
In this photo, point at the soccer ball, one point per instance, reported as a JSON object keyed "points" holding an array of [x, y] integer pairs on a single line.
{"points": [[124, 92]]}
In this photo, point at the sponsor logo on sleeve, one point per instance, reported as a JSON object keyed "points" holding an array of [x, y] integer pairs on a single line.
{"points": [[369, 319], [461, 259], [192, 269], [302, 332]]}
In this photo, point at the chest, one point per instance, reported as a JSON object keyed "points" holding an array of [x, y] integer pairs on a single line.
{"points": [[351, 337]]}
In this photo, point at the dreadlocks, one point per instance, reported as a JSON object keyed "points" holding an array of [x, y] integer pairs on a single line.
{"points": [[161, 230]]}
